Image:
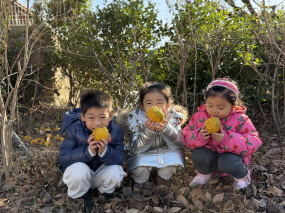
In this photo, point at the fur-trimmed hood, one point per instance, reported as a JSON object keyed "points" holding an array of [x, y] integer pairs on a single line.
{"points": [[122, 116]]}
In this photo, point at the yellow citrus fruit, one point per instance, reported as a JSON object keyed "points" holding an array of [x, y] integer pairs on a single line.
{"points": [[213, 125], [155, 113], [100, 133]]}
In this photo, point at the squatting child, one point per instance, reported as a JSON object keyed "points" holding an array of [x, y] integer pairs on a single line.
{"points": [[229, 150], [155, 146], [88, 164]]}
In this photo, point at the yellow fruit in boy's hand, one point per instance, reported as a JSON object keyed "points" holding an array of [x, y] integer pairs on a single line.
{"points": [[155, 113], [213, 125], [100, 133]]}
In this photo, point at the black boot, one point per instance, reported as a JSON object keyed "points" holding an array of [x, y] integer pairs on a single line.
{"points": [[87, 201], [108, 196]]}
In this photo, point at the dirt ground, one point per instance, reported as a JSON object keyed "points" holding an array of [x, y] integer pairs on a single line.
{"points": [[37, 187]]}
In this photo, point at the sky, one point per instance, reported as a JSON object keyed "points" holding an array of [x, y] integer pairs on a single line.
{"points": [[162, 6]]}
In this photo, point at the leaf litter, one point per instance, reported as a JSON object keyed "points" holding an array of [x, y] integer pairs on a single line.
{"points": [[37, 187]]}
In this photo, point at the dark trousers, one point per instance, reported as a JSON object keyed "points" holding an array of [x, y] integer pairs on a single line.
{"points": [[206, 161]]}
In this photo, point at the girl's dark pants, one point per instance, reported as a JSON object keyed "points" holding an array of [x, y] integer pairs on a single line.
{"points": [[206, 161]]}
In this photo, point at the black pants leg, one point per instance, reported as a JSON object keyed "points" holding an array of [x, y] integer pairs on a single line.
{"points": [[232, 164], [205, 160]]}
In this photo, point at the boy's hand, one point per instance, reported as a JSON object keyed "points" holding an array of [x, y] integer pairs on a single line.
{"points": [[92, 144], [218, 136], [204, 133], [150, 124], [103, 144]]}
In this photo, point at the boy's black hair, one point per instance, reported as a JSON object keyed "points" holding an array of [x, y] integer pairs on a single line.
{"points": [[93, 98], [164, 89]]}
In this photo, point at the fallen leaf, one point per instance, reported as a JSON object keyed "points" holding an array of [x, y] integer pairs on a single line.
{"points": [[176, 203], [262, 203], [184, 191], [229, 206], [4, 201], [260, 168], [147, 192], [137, 204], [132, 211], [182, 199], [252, 204], [155, 199], [13, 210], [49, 209], [107, 206], [212, 181], [48, 197], [116, 200], [196, 194], [138, 197], [283, 185], [208, 196], [174, 209], [253, 190], [59, 202], [274, 190], [198, 204], [276, 208], [157, 209], [218, 198], [168, 198]]}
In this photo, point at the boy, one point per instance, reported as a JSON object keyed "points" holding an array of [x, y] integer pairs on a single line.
{"points": [[89, 164]]}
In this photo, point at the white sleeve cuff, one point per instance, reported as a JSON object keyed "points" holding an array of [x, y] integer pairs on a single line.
{"points": [[91, 153], [103, 153]]}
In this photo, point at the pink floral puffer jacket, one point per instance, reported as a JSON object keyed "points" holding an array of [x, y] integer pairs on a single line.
{"points": [[240, 137]]}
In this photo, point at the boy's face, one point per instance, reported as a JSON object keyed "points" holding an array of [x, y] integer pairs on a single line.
{"points": [[97, 117]]}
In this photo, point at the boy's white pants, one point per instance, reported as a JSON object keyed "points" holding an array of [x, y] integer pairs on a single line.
{"points": [[79, 178]]}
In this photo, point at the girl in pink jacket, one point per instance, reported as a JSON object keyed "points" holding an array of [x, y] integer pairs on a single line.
{"points": [[229, 150]]}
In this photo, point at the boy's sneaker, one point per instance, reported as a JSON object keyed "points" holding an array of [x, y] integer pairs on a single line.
{"points": [[87, 201], [108, 196], [200, 179], [242, 182]]}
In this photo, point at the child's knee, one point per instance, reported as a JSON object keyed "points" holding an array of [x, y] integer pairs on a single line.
{"points": [[166, 173], [231, 164], [141, 174], [202, 154], [77, 172], [114, 173]]}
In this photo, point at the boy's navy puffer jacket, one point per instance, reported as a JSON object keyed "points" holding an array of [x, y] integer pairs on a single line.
{"points": [[75, 146]]}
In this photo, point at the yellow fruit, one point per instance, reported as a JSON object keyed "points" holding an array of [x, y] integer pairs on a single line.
{"points": [[213, 125], [33, 141], [27, 138], [56, 137], [37, 141], [47, 143], [100, 133], [155, 113]]}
